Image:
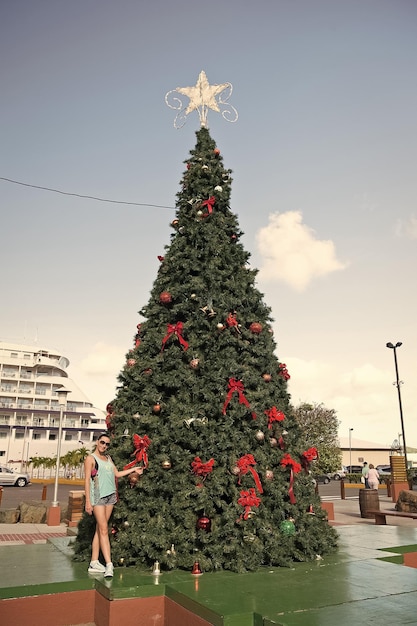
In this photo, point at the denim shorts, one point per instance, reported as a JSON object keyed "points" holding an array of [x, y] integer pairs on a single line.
{"points": [[111, 499]]}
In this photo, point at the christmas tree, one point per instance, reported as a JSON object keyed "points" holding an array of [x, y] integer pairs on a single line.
{"points": [[203, 406]]}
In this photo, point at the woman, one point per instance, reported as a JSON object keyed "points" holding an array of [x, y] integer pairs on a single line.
{"points": [[100, 497], [373, 477]]}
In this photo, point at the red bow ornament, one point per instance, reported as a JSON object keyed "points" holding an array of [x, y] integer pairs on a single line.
{"points": [[202, 469], [236, 386], [245, 464], [307, 457], [209, 204], [248, 499], [274, 416], [288, 461], [283, 371], [141, 446], [175, 329]]}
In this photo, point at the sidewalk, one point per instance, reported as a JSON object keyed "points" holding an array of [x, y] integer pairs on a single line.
{"points": [[21, 534]]}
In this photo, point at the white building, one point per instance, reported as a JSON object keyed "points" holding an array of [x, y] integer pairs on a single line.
{"points": [[29, 409]]}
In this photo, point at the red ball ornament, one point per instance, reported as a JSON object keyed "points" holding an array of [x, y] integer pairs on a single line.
{"points": [[131, 362], [156, 408], [148, 371], [255, 328], [267, 377], [204, 523], [216, 151], [165, 298]]}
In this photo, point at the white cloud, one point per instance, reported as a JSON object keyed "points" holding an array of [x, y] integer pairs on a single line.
{"points": [[291, 252], [363, 397], [407, 228]]}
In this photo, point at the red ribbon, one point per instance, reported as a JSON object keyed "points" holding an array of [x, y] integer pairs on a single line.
{"points": [[175, 329], [248, 499], [274, 416], [288, 461], [236, 386], [209, 204], [245, 465], [202, 469], [141, 445], [161, 258]]}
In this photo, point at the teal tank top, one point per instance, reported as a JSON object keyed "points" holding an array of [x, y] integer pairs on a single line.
{"points": [[104, 482]]}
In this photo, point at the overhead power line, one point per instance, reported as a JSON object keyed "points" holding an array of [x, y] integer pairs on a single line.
{"points": [[80, 195]]}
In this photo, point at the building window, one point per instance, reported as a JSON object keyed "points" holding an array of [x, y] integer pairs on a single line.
{"points": [[36, 436], [52, 437], [68, 436], [2, 452], [3, 434], [19, 435]]}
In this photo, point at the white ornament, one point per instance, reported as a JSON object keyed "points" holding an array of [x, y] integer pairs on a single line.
{"points": [[218, 188]]}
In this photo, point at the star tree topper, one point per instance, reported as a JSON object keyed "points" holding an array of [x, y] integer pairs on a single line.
{"points": [[202, 98]]}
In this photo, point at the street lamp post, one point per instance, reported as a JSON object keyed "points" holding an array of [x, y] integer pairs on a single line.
{"points": [[398, 384], [350, 449], [54, 512]]}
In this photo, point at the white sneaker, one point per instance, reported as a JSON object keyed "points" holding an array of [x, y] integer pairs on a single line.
{"points": [[96, 567], [109, 571]]}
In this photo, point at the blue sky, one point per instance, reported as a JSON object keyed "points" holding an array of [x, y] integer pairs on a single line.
{"points": [[323, 157]]}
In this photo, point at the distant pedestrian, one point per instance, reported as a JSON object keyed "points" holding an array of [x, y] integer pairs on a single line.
{"points": [[373, 477], [365, 471]]}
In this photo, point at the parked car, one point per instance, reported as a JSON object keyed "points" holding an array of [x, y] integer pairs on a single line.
{"points": [[383, 470], [322, 478], [9, 477], [354, 469], [340, 474]]}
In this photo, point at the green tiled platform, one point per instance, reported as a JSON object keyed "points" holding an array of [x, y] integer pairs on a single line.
{"points": [[365, 582]]}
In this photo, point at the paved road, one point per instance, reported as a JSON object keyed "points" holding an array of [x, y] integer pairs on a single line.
{"points": [[13, 496]]}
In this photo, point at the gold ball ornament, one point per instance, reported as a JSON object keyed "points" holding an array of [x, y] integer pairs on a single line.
{"points": [[274, 442], [235, 470], [269, 475], [194, 363], [156, 408], [259, 435], [267, 377], [133, 479], [166, 464]]}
